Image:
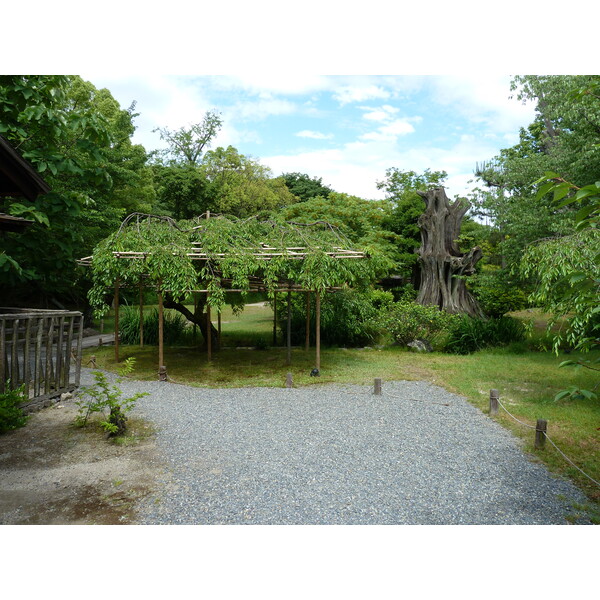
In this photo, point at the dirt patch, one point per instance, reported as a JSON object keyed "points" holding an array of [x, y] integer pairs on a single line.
{"points": [[54, 473]]}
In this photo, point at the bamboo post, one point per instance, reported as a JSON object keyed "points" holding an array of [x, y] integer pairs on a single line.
{"points": [[219, 328], [141, 315], [318, 329], [274, 318], [117, 320], [2, 355], [26, 353], [494, 402], [60, 362], [161, 356], [195, 297], [540, 434], [49, 341], [208, 327], [37, 374], [69, 352], [289, 328], [79, 352], [14, 363], [307, 342]]}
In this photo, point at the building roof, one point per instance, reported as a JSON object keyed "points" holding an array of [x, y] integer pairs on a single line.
{"points": [[17, 179]]}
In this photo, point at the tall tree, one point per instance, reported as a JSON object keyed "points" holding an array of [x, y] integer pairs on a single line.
{"points": [[187, 144], [242, 186], [306, 187]]}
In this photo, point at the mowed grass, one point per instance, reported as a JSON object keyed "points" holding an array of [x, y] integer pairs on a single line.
{"points": [[527, 382]]}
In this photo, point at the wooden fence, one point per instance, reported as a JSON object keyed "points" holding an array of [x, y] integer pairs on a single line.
{"points": [[40, 349]]}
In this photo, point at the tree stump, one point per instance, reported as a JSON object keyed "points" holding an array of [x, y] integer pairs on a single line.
{"points": [[443, 265]]}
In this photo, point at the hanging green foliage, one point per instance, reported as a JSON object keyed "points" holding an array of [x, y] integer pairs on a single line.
{"points": [[222, 252]]}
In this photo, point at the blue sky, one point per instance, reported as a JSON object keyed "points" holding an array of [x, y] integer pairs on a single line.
{"points": [[345, 129]]}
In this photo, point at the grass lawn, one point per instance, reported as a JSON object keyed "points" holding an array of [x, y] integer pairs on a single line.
{"points": [[527, 382]]}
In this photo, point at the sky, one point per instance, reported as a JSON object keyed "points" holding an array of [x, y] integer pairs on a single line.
{"points": [[347, 130]]}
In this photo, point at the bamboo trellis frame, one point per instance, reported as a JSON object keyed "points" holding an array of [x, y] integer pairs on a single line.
{"points": [[262, 251]]}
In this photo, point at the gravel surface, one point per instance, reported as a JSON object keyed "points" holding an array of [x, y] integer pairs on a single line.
{"points": [[340, 455]]}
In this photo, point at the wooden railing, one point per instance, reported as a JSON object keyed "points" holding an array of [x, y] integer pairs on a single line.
{"points": [[40, 349]]}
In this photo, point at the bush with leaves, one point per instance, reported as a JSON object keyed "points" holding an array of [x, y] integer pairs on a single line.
{"points": [[348, 318], [496, 293], [468, 334], [11, 414], [102, 397], [174, 327], [407, 321]]}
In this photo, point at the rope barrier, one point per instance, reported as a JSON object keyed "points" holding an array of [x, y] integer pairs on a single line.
{"points": [[569, 460], [515, 418], [548, 438]]}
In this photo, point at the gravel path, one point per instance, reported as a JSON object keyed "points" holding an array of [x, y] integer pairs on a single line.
{"points": [[340, 455]]}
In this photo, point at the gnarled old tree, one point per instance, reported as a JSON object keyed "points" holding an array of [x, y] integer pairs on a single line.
{"points": [[443, 265]]}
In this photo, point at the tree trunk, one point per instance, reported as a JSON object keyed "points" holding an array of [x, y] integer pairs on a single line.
{"points": [[442, 263], [198, 317]]}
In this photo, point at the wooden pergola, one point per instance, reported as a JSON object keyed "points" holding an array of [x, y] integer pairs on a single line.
{"points": [[261, 252]]}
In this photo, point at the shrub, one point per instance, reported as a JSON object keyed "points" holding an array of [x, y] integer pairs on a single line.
{"points": [[468, 335], [348, 318], [408, 321], [11, 415], [496, 295], [101, 397], [175, 327]]}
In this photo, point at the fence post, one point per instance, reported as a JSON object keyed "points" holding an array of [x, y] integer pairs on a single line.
{"points": [[377, 387], [540, 433], [288, 381], [494, 395]]}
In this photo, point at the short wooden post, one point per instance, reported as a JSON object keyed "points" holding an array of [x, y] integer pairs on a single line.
{"points": [[100, 342], [162, 373], [377, 387], [494, 396], [288, 381], [540, 434]]}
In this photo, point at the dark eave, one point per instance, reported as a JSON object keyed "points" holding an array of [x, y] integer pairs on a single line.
{"points": [[17, 177]]}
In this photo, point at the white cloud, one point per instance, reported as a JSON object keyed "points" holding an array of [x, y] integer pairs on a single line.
{"points": [[347, 94], [315, 135], [390, 131]]}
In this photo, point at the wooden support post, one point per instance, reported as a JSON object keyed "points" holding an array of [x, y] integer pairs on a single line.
{"points": [[288, 381], [377, 387], [219, 328], [208, 329], [141, 315], [274, 318], [318, 329], [3, 362], [540, 434], [494, 402], [79, 352], [307, 342], [117, 320], [289, 328], [161, 350], [195, 296]]}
